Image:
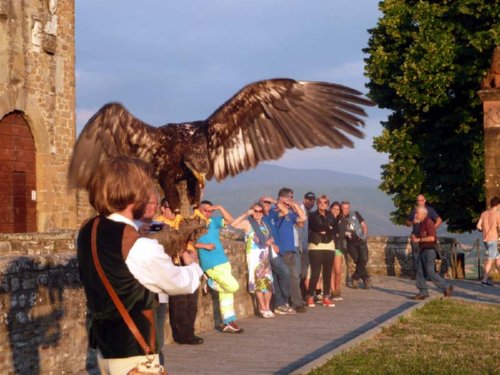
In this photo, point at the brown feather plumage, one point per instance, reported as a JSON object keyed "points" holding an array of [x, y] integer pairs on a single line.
{"points": [[257, 124]]}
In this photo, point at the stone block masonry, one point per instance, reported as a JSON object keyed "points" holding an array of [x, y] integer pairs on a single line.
{"points": [[37, 98]]}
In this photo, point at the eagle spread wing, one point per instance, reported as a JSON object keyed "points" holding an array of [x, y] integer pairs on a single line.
{"points": [[265, 118], [112, 131], [259, 123]]}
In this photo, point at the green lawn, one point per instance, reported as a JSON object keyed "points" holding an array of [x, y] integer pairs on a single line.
{"points": [[445, 336]]}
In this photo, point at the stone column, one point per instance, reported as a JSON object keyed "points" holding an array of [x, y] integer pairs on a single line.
{"points": [[491, 108]]}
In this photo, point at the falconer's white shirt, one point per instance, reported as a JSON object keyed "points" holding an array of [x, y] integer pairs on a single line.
{"points": [[154, 269]]}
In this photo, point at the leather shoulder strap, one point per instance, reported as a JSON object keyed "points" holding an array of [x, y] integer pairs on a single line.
{"points": [[130, 235], [114, 297]]}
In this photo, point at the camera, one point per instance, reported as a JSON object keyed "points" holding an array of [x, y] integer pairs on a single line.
{"points": [[156, 227]]}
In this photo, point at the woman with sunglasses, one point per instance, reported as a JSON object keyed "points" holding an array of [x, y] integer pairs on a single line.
{"points": [[321, 250], [259, 243]]}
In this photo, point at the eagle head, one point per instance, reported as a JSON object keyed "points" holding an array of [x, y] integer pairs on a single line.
{"points": [[196, 160]]}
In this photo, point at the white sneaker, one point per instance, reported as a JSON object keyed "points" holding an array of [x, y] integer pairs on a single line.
{"points": [[267, 314]]}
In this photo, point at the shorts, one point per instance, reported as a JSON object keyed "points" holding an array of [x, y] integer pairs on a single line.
{"points": [[492, 249]]}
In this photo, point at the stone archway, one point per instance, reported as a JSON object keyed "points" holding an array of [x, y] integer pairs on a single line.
{"points": [[17, 175]]}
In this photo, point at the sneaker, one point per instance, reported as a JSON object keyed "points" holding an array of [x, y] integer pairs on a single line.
{"points": [[285, 309], [368, 283], [231, 328], [281, 310], [355, 284], [448, 292], [310, 302], [487, 283], [328, 302], [291, 310], [301, 309], [319, 297], [336, 296], [266, 314]]}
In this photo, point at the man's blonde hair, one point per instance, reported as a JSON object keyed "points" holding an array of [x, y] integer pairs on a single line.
{"points": [[118, 182]]}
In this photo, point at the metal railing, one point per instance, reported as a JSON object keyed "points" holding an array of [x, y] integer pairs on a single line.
{"points": [[455, 246]]}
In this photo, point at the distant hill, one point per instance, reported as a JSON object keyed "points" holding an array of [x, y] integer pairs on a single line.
{"points": [[237, 194]]}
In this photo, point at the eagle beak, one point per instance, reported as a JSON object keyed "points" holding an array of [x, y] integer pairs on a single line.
{"points": [[201, 178]]}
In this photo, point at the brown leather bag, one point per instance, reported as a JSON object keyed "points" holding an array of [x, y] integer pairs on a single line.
{"points": [[144, 368]]}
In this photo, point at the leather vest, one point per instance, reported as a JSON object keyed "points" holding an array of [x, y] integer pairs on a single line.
{"points": [[107, 329]]}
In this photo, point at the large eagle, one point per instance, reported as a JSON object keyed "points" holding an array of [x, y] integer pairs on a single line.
{"points": [[258, 123]]}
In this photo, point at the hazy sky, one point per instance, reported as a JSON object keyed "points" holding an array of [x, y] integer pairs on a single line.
{"points": [[177, 61]]}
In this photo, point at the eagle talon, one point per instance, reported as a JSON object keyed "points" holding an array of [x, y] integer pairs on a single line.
{"points": [[198, 215], [177, 221]]}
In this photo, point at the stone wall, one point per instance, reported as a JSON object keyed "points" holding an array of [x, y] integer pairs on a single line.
{"points": [[37, 80], [42, 325]]}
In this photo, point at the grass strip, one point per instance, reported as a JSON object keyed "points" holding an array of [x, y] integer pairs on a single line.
{"points": [[445, 336]]}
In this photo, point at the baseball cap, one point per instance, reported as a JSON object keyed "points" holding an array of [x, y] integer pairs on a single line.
{"points": [[310, 195]]}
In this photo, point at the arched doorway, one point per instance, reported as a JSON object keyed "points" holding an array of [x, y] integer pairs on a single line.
{"points": [[17, 175]]}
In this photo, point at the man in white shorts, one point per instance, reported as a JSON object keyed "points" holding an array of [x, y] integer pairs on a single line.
{"points": [[489, 224]]}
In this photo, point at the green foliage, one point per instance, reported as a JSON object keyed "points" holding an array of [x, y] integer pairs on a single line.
{"points": [[426, 62]]}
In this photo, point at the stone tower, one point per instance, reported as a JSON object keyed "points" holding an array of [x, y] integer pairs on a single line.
{"points": [[37, 114]]}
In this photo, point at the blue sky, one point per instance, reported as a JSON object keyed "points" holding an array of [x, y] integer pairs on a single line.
{"points": [[178, 61]]}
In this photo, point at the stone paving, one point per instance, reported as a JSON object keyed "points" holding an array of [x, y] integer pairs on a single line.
{"points": [[298, 343]]}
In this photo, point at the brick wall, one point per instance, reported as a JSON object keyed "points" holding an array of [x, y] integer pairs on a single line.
{"points": [[42, 325]]}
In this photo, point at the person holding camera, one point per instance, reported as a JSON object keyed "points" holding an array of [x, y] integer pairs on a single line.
{"points": [[354, 231], [145, 225]]}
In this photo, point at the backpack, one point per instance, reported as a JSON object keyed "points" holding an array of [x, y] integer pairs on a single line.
{"points": [[354, 226]]}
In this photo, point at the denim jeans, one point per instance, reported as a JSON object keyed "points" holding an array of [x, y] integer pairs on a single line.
{"points": [[359, 254], [415, 250], [281, 280], [445, 261], [426, 261], [290, 259]]}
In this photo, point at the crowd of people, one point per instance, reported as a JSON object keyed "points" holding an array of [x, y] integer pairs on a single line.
{"points": [[294, 251]]}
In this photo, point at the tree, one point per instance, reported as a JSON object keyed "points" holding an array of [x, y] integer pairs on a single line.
{"points": [[426, 62]]}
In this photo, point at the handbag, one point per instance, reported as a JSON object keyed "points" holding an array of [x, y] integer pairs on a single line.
{"points": [[143, 368]]}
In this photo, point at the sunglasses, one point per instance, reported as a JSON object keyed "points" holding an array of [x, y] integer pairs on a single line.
{"points": [[257, 211], [267, 202]]}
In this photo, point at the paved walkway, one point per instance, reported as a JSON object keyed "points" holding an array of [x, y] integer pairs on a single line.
{"points": [[298, 343]]}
